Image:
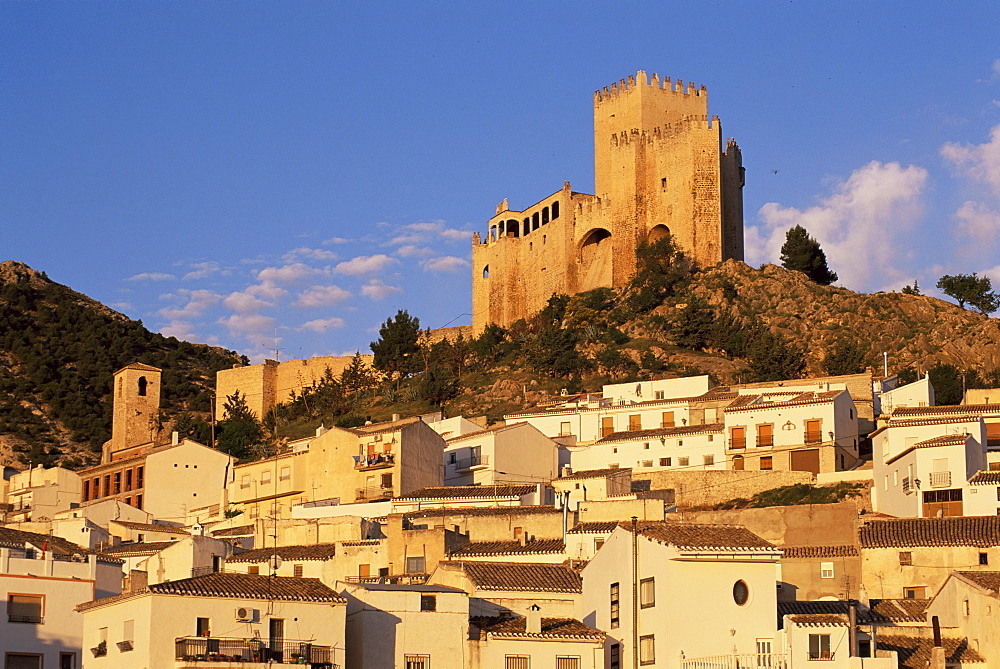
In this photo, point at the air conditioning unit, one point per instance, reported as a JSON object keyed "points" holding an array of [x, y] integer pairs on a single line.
{"points": [[245, 615]]}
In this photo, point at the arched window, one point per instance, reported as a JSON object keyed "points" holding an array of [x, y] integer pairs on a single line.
{"points": [[534, 221], [512, 228], [527, 228], [658, 232], [555, 210], [486, 272], [738, 463], [142, 386], [545, 216]]}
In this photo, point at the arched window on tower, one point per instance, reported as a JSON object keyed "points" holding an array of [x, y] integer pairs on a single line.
{"points": [[142, 386], [545, 216], [555, 210], [486, 272]]}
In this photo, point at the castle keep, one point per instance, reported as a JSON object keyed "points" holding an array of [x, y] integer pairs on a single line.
{"points": [[660, 168]]}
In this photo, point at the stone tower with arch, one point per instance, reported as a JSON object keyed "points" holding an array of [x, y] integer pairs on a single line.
{"points": [[661, 167], [136, 406]]}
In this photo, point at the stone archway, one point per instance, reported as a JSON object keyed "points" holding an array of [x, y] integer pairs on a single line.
{"points": [[596, 260], [657, 233]]}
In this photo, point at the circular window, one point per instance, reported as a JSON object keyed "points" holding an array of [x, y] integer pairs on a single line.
{"points": [[741, 593]]}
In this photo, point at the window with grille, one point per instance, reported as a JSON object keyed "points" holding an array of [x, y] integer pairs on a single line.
{"points": [[615, 656], [428, 602], [765, 434], [905, 557], [635, 422], [567, 662], [738, 437], [517, 662], [414, 565], [615, 604], [667, 419], [417, 661], [24, 608], [826, 570], [819, 647], [647, 649], [814, 432], [647, 593], [766, 463], [297, 571]]}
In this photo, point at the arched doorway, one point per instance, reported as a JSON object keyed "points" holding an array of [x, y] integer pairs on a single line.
{"points": [[657, 233], [596, 260]]}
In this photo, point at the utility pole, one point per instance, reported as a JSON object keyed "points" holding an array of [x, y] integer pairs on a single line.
{"points": [[635, 592]]}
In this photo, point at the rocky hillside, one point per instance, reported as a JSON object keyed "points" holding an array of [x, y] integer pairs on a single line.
{"points": [[917, 331], [58, 351]]}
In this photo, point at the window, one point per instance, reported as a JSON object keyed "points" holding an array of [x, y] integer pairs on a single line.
{"points": [[615, 656], [265, 476], [567, 662], [647, 593], [297, 571], [667, 419], [24, 608], [517, 662], [286, 473], [905, 558], [766, 463], [814, 432], [364, 571], [245, 481], [417, 661], [984, 558], [428, 602], [253, 569], [635, 422], [142, 386], [67, 660], [201, 626], [708, 459], [139, 481], [683, 461], [128, 636], [598, 542], [741, 593], [819, 647], [615, 604], [565, 429], [765, 434], [387, 481], [647, 649], [738, 463], [415, 565], [23, 661], [738, 437], [658, 395], [128, 480], [916, 592], [665, 462], [826, 570], [965, 607], [607, 426]]}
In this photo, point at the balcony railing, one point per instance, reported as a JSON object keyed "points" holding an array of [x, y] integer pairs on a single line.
{"points": [[396, 579], [814, 437], [474, 461], [374, 461], [940, 479], [37, 620], [368, 494], [203, 571], [745, 661], [220, 649]]}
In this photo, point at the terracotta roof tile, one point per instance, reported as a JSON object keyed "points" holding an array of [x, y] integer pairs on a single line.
{"points": [[139, 366], [900, 610], [239, 531], [595, 473], [594, 527], [481, 511], [947, 409], [988, 580], [536, 546], [985, 478], [523, 576], [137, 548], [844, 550], [684, 430], [310, 552], [479, 433], [57, 545], [380, 428], [914, 652], [942, 440], [469, 492], [151, 527], [561, 628], [819, 620], [982, 531], [688, 536], [799, 400]]}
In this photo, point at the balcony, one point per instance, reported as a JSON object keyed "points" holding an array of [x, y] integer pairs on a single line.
{"points": [[372, 494], [940, 479], [745, 661], [194, 651], [474, 461], [374, 461], [397, 579]]}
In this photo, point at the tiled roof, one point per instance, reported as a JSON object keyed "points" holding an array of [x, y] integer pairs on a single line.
{"points": [[137, 548], [819, 620], [688, 536], [942, 440], [235, 586], [469, 492], [56, 545], [558, 628], [914, 652], [991, 477], [479, 433], [310, 552], [139, 366], [594, 473], [800, 399], [930, 420], [945, 410], [988, 580], [510, 548], [385, 426], [603, 407], [844, 550], [982, 531], [239, 531], [522, 576], [594, 527], [684, 430], [820, 608], [150, 527], [481, 511], [900, 610]]}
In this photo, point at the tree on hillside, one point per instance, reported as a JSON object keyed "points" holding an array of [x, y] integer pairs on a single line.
{"points": [[397, 349], [846, 357], [969, 288], [661, 269], [802, 253], [912, 290], [239, 430]]}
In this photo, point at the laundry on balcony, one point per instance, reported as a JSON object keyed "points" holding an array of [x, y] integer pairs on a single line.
{"points": [[374, 460]]}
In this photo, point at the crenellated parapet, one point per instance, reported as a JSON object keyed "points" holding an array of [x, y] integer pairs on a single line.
{"points": [[640, 80]]}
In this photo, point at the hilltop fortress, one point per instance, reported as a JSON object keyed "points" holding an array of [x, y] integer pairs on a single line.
{"points": [[660, 168]]}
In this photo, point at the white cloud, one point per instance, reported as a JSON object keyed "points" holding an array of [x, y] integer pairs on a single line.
{"points": [[179, 329], [408, 239], [365, 264], [980, 162], [288, 274], [377, 290], [321, 296], [411, 251], [151, 276], [323, 324], [203, 270], [310, 254], [979, 222], [266, 290], [427, 232], [197, 302], [862, 226], [255, 328], [445, 264], [336, 240], [244, 303]]}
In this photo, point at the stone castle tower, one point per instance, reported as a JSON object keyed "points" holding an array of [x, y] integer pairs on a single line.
{"points": [[660, 168], [135, 406]]}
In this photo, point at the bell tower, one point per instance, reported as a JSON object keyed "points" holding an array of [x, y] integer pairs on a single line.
{"points": [[136, 404]]}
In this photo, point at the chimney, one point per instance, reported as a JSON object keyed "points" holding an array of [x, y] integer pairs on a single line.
{"points": [[533, 621], [395, 417], [937, 652], [567, 470], [852, 630], [523, 539], [175, 438]]}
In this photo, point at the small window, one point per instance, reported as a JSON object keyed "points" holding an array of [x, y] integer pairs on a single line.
{"points": [[286, 473], [142, 386], [708, 459], [766, 463], [428, 602], [598, 542], [615, 655], [984, 558], [415, 565], [567, 662], [24, 608], [826, 570], [965, 607], [253, 569], [297, 571], [647, 649], [265, 476], [517, 662], [635, 422], [615, 605], [658, 395], [387, 481], [741, 593], [201, 627], [905, 558], [245, 481], [417, 661], [664, 462], [647, 593], [819, 647], [683, 461], [565, 429], [67, 660], [917, 592]]}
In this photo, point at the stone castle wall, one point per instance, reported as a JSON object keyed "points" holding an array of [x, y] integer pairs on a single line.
{"points": [[660, 168]]}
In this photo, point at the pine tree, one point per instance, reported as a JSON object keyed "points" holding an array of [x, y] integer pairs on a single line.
{"points": [[397, 349], [802, 253]]}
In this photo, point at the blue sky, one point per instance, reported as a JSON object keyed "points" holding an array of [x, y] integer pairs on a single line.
{"points": [[235, 172]]}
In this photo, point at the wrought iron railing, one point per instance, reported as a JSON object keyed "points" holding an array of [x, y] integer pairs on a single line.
{"points": [[374, 461], [474, 461], [223, 649], [366, 494], [11, 618], [744, 661]]}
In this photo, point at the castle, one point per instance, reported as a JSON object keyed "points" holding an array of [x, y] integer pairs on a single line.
{"points": [[659, 169]]}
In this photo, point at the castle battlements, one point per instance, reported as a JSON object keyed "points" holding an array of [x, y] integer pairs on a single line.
{"points": [[640, 79]]}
